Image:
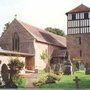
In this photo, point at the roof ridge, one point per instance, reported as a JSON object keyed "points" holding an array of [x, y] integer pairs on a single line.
{"points": [[80, 8], [43, 35], [22, 23], [40, 29]]}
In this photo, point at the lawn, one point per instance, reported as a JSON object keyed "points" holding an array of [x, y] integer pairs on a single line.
{"points": [[67, 83]]}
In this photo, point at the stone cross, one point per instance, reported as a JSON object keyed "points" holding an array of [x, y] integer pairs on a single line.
{"points": [[15, 16], [76, 81]]}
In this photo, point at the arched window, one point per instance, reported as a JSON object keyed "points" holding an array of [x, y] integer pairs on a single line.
{"points": [[15, 42]]}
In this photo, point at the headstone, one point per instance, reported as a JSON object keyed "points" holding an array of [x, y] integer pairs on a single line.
{"points": [[68, 68], [5, 73], [82, 66], [0, 73], [76, 81]]}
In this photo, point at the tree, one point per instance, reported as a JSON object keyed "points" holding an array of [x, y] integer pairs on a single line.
{"points": [[7, 25], [55, 31]]}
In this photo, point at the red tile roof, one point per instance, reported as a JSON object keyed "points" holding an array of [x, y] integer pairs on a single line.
{"points": [[44, 36], [80, 8]]}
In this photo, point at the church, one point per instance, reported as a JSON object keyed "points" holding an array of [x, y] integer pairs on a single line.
{"points": [[30, 43], [24, 40], [78, 34]]}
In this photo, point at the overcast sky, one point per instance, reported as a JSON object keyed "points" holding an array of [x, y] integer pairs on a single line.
{"points": [[39, 13]]}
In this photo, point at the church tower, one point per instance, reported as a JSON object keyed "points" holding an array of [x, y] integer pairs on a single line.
{"points": [[78, 33]]}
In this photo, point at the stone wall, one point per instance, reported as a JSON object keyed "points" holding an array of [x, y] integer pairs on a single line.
{"points": [[39, 48], [25, 39], [74, 47], [6, 60]]}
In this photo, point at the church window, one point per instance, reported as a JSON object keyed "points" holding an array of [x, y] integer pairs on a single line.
{"points": [[85, 15], [73, 16], [80, 40], [80, 53], [15, 42]]}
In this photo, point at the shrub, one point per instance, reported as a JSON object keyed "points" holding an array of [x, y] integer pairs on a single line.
{"points": [[42, 76], [15, 65], [14, 68], [45, 78], [57, 77], [44, 55]]}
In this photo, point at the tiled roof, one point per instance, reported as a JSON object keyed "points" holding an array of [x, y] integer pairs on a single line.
{"points": [[80, 8], [44, 36], [13, 53]]}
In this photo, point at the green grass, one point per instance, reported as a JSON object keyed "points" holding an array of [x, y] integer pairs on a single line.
{"points": [[67, 82], [20, 82]]}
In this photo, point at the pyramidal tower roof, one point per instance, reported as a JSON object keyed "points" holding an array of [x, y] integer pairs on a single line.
{"points": [[80, 8]]}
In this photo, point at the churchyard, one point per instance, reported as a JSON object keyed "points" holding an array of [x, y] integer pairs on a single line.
{"points": [[67, 82], [67, 79], [46, 79]]}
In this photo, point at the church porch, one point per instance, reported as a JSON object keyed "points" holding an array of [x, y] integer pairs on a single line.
{"points": [[5, 57]]}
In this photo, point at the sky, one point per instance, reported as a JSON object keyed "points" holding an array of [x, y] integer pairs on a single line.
{"points": [[39, 13]]}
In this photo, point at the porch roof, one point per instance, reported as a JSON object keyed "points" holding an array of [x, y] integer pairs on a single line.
{"points": [[14, 53]]}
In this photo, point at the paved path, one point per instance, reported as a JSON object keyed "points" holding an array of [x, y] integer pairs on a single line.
{"points": [[31, 77], [30, 81]]}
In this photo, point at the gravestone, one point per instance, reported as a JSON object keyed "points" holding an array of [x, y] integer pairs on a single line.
{"points": [[82, 66], [68, 68], [5, 73], [68, 65]]}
